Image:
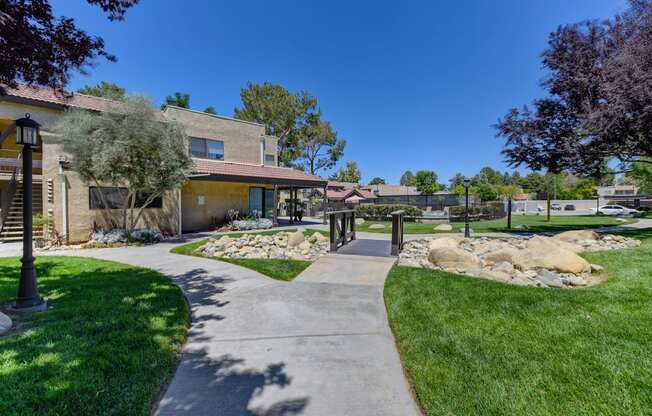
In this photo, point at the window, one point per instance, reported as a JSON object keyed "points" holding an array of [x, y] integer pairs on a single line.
{"points": [[206, 148], [261, 200], [115, 198], [270, 160]]}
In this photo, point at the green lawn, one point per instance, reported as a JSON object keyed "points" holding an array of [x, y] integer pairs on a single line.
{"points": [[107, 344], [274, 268], [474, 346], [536, 223]]}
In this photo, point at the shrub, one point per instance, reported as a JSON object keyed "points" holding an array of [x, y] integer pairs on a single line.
{"points": [[383, 210], [492, 210], [255, 224], [119, 235]]}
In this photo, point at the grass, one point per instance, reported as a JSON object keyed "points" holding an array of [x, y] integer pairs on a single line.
{"points": [[275, 268], [474, 346], [107, 344], [536, 223]]}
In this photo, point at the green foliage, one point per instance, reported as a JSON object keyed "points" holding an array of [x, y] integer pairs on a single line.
{"points": [[106, 346], [179, 99], [509, 191], [484, 191], [105, 90], [408, 179], [210, 110], [426, 182], [490, 210], [350, 173], [127, 147], [456, 181], [383, 210], [283, 113], [641, 174], [318, 146], [377, 181]]}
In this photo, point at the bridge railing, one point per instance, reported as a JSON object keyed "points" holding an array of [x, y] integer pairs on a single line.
{"points": [[342, 228]]}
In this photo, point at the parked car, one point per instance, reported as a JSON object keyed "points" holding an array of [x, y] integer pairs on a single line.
{"points": [[555, 206], [569, 207], [615, 210]]}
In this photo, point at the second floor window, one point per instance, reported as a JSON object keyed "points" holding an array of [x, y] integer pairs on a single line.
{"points": [[270, 160], [206, 148]]}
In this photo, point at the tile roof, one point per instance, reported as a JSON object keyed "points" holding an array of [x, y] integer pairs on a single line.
{"points": [[259, 173], [65, 99]]}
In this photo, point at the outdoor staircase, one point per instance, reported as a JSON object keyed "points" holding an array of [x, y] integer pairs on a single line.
{"points": [[12, 227]]}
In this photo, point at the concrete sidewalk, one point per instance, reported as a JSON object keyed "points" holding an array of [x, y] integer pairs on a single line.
{"points": [[258, 346]]}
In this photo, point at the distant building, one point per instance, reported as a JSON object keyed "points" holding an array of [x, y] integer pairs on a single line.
{"points": [[617, 191]]}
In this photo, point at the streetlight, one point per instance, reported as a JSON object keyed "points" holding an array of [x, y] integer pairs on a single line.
{"points": [[27, 133], [467, 183]]}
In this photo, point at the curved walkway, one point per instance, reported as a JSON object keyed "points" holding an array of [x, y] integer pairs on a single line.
{"points": [[258, 346]]}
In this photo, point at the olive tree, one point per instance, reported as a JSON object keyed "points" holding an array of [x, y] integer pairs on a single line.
{"points": [[129, 147]]}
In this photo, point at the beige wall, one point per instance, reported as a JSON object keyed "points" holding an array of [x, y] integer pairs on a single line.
{"points": [[218, 198], [241, 138], [81, 218]]}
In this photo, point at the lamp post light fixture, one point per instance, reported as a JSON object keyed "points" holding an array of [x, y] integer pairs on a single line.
{"points": [[467, 232], [27, 135]]}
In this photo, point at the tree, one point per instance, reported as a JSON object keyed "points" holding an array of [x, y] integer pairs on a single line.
{"points": [[105, 90], [426, 182], [484, 191], [126, 147], [318, 145], [408, 179], [456, 181], [488, 175], [377, 180], [350, 173], [509, 192], [38, 48], [179, 99], [283, 113], [641, 175], [210, 110]]}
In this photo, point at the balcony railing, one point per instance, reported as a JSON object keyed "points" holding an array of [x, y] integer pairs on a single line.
{"points": [[10, 159]]}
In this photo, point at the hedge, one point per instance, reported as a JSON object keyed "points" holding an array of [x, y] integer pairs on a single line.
{"points": [[493, 210], [383, 210]]}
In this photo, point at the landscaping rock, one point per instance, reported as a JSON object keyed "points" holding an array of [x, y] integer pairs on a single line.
{"points": [[5, 323], [296, 238], [317, 237], [577, 235], [596, 268], [359, 221], [376, 226], [453, 258], [576, 280], [443, 242], [503, 255], [564, 261], [549, 278], [444, 227]]}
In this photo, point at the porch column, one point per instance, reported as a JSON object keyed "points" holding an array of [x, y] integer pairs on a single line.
{"points": [[291, 205], [275, 214], [324, 203]]}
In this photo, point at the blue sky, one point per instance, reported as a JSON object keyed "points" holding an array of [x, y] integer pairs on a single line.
{"points": [[409, 85]]}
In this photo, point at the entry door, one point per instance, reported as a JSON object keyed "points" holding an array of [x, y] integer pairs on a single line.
{"points": [[256, 201]]}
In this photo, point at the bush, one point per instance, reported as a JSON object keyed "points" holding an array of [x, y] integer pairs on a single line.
{"points": [[255, 224], [381, 210], [118, 235], [491, 210]]}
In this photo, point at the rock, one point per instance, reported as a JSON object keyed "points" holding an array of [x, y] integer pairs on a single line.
{"points": [[304, 246], [453, 258], [5, 323], [564, 261], [315, 237], [596, 268], [522, 227], [577, 235], [550, 279], [443, 242], [444, 227], [621, 220], [503, 267], [295, 238], [503, 255], [359, 221], [277, 253], [376, 226], [576, 280], [496, 275]]}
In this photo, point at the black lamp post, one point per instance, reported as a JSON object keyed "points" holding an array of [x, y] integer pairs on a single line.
{"points": [[467, 232], [27, 133]]}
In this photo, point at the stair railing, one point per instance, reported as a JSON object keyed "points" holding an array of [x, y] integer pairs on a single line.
{"points": [[11, 192]]}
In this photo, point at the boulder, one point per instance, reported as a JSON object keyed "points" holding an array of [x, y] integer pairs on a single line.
{"points": [[503, 267], [453, 258], [577, 235], [502, 255], [550, 257], [496, 275], [576, 280], [376, 226], [359, 221], [443, 242], [544, 243], [444, 227], [315, 237], [295, 238], [304, 246], [5, 323], [596, 268]]}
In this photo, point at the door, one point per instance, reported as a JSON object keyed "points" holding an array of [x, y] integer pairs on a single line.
{"points": [[256, 196]]}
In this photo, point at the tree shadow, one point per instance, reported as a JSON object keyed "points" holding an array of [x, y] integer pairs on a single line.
{"points": [[224, 386]]}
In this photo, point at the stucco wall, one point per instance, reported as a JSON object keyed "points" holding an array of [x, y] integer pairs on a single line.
{"points": [[218, 198], [241, 139]]}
